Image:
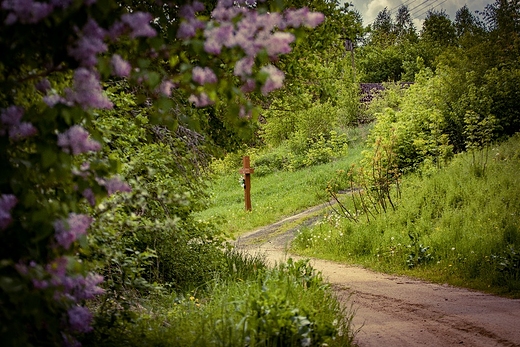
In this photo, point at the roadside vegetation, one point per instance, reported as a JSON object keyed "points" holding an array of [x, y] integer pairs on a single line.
{"points": [[435, 192], [123, 125]]}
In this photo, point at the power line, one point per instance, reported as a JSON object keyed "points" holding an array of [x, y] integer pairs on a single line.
{"points": [[422, 6], [408, 2], [431, 8]]}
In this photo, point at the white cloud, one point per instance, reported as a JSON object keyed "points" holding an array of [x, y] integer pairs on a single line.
{"points": [[418, 8]]}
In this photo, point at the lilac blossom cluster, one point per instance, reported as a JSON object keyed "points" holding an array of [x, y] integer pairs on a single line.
{"points": [[233, 24], [7, 203], [252, 33], [67, 289], [71, 229], [87, 91], [11, 123], [76, 140]]}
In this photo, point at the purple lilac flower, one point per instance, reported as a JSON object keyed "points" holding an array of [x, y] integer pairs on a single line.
{"points": [[87, 90], [26, 11], [67, 232], [302, 16], [54, 99], [200, 100], [115, 184], [43, 86], [89, 195], [244, 67], [76, 140], [89, 45], [11, 115], [274, 80], [11, 119], [248, 86], [217, 37], [70, 341], [203, 75], [226, 11], [188, 28], [139, 22], [7, 203], [269, 21], [61, 3], [22, 130], [116, 30], [40, 284], [58, 268], [120, 67], [80, 319], [294, 18], [278, 43], [90, 287], [188, 11], [313, 19], [165, 88]]}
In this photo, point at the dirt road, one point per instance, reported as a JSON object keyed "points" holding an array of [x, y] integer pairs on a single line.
{"points": [[399, 311]]}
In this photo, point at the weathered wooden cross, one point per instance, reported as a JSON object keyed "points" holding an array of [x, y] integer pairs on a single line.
{"points": [[247, 171]]}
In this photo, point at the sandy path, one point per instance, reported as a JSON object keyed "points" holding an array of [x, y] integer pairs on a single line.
{"points": [[399, 311]]}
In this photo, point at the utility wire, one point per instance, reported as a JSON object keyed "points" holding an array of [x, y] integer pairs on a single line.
{"points": [[408, 2], [431, 8]]}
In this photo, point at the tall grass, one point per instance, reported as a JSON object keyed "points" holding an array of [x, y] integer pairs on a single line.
{"points": [[276, 194], [288, 305], [456, 225]]}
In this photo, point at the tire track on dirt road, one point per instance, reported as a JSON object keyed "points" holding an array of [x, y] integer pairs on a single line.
{"points": [[397, 310]]}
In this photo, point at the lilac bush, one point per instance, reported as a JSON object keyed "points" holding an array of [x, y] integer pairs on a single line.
{"points": [[57, 58]]}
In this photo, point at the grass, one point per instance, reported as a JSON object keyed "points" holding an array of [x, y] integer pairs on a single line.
{"points": [[252, 305], [459, 225], [273, 196]]}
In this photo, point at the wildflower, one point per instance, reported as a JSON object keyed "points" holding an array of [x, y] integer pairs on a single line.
{"points": [[139, 22], [7, 203], [66, 232], [203, 75], [76, 140], [274, 80], [120, 67]]}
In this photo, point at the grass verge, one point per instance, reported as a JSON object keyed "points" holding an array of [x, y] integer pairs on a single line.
{"points": [[459, 225]]}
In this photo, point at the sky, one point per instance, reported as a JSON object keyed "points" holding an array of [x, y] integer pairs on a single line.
{"points": [[418, 8]]}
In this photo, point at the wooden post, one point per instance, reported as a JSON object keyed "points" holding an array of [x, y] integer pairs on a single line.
{"points": [[247, 171]]}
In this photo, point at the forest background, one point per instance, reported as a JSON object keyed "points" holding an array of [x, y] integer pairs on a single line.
{"points": [[113, 113]]}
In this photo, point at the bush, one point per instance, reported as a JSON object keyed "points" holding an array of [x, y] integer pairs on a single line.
{"points": [[289, 305]]}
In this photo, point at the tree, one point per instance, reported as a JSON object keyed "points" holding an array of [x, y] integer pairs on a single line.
{"points": [[404, 28], [438, 29], [382, 30]]}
